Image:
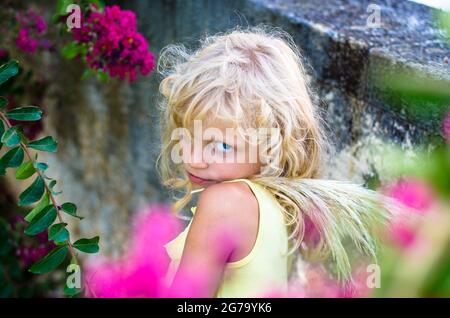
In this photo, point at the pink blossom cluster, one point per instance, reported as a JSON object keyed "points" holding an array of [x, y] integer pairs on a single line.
{"points": [[114, 45], [32, 27]]}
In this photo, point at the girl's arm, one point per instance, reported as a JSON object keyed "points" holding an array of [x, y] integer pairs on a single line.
{"points": [[223, 229]]}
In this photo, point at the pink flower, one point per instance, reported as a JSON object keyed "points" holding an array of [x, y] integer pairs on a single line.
{"points": [[446, 127], [25, 43], [32, 27], [3, 53], [31, 20], [114, 45], [415, 194], [402, 234]]}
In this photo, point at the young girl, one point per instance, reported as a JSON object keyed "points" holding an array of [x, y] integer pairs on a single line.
{"points": [[253, 212]]}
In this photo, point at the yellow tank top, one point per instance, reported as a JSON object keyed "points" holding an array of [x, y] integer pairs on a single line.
{"points": [[265, 269]]}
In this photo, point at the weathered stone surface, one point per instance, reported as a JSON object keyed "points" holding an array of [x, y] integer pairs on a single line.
{"points": [[108, 134]]}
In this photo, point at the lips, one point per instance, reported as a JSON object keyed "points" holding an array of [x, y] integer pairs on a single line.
{"points": [[197, 180]]}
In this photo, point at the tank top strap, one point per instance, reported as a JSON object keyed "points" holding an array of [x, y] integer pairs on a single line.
{"points": [[239, 179], [249, 183], [255, 188]]}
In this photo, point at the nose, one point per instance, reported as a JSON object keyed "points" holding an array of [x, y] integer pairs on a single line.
{"points": [[196, 160], [198, 165]]}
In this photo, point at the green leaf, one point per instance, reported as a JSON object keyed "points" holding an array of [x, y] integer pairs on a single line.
{"points": [[88, 73], [28, 113], [61, 6], [25, 171], [87, 245], [33, 193], [103, 77], [51, 186], [2, 131], [70, 292], [71, 50], [41, 221], [8, 70], [50, 261], [11, 137], [45, 144], [99, 3], [44, 202], [41, 166], [71, 209], [3, 103], [58, 232], [13, 158]]}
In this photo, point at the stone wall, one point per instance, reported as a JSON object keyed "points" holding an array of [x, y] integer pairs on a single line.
{"points": [[108, 134]]}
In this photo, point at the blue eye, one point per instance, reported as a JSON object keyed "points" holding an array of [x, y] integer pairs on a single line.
{"points": [[224, 147]]}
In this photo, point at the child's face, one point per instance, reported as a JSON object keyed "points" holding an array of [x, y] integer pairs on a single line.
{"points": [[218, 153]]}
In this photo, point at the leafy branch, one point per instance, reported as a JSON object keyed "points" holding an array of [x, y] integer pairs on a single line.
{"points": [[47, 211]]}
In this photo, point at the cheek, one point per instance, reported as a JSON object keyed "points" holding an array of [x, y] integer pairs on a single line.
{"points": [[234, 170], [226, 170], [253, 168]]}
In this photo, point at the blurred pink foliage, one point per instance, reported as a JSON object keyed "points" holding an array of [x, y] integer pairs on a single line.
{"points": [[412, 192], [140, 272], [415, 194], [318, 283]]}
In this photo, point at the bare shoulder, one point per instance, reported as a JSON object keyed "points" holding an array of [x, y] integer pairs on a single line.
{"points": [[232, 210], [231, 199]]}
